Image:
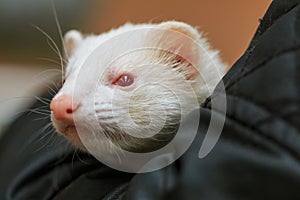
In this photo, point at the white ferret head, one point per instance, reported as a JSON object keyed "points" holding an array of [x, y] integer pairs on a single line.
{"points": [[131, 87]]}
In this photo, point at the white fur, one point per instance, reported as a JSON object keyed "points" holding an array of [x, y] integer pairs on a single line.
{"points": [[161, 95]]}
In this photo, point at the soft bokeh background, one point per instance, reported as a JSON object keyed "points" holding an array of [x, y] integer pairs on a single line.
{"points": [[28, 64]]}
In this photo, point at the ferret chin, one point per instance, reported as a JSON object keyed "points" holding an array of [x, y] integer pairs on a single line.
{"points": [[131, 87]]}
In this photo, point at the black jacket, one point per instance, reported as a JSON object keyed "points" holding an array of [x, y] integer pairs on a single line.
{"points": [[257, 156]]}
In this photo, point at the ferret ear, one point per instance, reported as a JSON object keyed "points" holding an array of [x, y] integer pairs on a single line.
{"points": [[181, 39], [72, 40]]}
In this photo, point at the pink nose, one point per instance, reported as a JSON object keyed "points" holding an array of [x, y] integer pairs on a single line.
{"points": [[63, 108]]}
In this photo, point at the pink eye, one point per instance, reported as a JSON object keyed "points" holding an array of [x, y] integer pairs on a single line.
{"points": [[124, 80]]}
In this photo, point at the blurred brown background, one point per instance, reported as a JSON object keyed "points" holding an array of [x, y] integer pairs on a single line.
{"points": [[229, 26]]}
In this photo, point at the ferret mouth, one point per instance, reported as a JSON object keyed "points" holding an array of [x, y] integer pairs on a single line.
{"points": [[65, 129], [70, 128], [71, 133]]}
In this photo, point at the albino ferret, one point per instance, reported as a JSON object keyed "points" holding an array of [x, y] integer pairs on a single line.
{"points": [[131, 87]]}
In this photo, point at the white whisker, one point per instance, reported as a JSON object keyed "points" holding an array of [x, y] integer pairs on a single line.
{"points": [[55, 48], [49, 60], [61, 37], [59, 29], [42, 100]]}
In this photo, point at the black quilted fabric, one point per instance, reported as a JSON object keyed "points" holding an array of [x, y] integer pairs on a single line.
{"points": [[257, 156]]}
